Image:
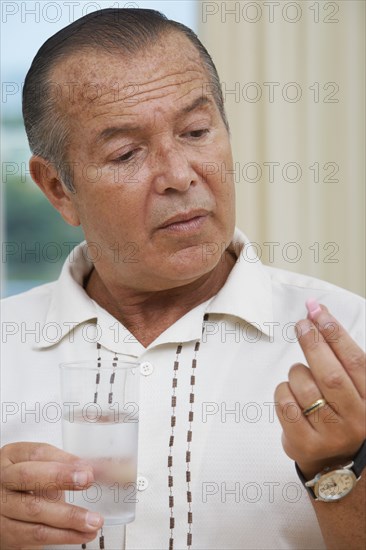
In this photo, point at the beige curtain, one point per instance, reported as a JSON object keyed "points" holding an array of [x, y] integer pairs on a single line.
{"points": [[293, 76]]}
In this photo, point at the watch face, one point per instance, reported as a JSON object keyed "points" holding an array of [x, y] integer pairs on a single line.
{"points": [[335, 485]]}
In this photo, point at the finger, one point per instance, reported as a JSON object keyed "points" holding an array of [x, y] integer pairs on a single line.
{"points": [[289, 413], [29, 535], [30, 508], [33, 476], [303, 385], [43, 452], [301, 441], [331, 378], [351, 356], [306, 393]]}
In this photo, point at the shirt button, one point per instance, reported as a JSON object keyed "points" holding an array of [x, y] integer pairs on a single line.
{"points": [[142, 483], [146, 368]]}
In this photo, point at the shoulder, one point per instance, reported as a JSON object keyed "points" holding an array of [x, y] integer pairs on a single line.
{"points": [[297, 282], [32, 303], [290, 291]]}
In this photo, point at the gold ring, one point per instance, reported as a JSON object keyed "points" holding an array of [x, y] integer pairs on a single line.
{"points": [[314, 407]]}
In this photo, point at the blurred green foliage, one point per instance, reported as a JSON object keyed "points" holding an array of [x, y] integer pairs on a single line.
{"points": [[37, 240]]}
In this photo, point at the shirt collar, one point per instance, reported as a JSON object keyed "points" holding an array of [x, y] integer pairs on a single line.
{"points": [[70, 305], [246, 294]]}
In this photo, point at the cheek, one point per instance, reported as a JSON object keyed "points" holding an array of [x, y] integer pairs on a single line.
{"points": [[91, 174], [221, 178], [222, 186], [111, 211]]}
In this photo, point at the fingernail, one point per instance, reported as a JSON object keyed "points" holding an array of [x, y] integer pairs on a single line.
{"points": [[93, 519], [313, 307], [80, 478]]}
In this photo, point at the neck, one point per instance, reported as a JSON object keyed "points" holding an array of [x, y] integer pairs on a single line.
{"points": [[147, 314]]}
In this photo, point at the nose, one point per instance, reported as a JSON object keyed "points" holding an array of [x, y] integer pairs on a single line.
{"points": [[173, 170]]}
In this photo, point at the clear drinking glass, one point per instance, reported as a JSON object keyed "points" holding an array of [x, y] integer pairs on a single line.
{"points": [[100, 425]]}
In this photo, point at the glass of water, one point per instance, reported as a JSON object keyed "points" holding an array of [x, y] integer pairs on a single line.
{"points": [[100, 425]]}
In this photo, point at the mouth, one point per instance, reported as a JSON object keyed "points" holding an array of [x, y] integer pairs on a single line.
{"points": [[186, 221]]}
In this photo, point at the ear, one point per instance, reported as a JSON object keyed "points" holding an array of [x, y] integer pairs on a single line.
{"points": [[48, 180]]}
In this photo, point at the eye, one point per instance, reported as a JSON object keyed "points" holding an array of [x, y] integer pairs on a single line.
{"points": [[126, 157], [198, 133]]}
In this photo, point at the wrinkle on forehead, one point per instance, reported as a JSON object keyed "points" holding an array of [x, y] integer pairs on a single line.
{"points": [[139, 93], [144, 98], [100, 79]]}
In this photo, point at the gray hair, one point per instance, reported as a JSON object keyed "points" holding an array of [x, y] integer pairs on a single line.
{"points": [[129, 30]]}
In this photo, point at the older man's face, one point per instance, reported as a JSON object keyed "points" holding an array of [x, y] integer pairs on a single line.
{"points": [[152, 163]]}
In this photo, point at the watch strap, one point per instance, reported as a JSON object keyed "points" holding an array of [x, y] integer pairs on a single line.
{"points": [[359, 463], [304, 480]]}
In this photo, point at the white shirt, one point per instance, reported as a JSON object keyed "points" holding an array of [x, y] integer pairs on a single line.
{"points": [[245, 492]]}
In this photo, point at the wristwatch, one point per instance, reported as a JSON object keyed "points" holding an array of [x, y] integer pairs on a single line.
{"points": [[334, 483]]}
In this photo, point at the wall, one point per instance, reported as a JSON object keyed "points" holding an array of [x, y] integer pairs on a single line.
{"points": [[293, 76]]}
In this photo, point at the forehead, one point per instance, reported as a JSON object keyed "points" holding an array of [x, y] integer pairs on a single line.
{"points": [[94, 83]]}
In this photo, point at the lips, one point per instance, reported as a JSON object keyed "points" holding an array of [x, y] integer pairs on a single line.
{"points": [[184, 217]]}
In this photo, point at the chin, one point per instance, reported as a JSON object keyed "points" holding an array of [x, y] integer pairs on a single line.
{"points": [[193, 262]]}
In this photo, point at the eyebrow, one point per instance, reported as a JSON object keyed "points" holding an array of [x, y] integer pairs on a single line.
{"points": [[201, 101], [108, 133]]}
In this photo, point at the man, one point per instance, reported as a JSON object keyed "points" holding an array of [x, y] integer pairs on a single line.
{"points": [[123, 112]]}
